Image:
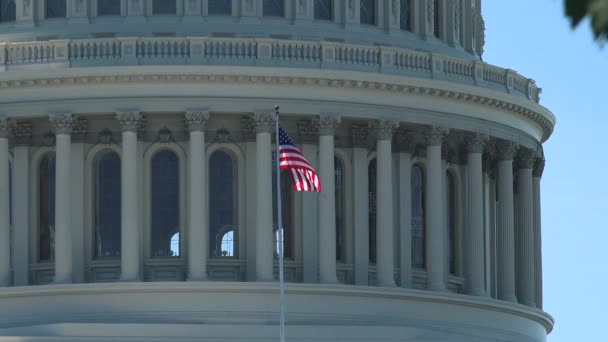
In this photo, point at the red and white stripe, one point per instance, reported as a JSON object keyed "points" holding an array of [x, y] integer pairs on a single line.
{"points": [[304, 177]]}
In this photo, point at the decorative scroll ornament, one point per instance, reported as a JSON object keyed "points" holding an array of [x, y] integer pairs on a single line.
{"points": [[384, 129], [360, 136], [62, 123], [196, 121], [435, 135], [4, 127], [130, 121], [505, 150], [264, 122], [164, 135], [105, 137], [476, 142], [526, 158], [22, 132], [539, 167], [222, 136], [328, 123]]}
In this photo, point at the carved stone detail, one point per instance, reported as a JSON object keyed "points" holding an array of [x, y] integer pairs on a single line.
{"points": [[22, 133], [505, 150], [360, 136], [526, 158], [222, 136], [105, 137], [264, 122], [62, 123], [328, 124], [404, 140], [196, 121], [130, 121], [539, 167], [308, 131], [435, 135], [4, 127], [48, 139], [80, 129], [475, 143], [164, 135], [384, 129]]}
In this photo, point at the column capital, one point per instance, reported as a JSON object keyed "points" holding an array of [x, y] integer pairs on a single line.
{"points": [[505, 149], [384, 129], [264, 122], [4, 127], [308, 131], [196, 121], [475, 142], [526, 158], [328, 122], [435, 135], [360, 136], [62, 123], [404, 140], [539, 167], [130, 121]]}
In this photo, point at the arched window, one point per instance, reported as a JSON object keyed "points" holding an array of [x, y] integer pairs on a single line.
{"points": [[164, 210], [220, 7], [274, 8], [323, 9], [418, 212], [367, 13], [405, 15], [222, 205], [107, 210], [46, 208], [175, 244], [371, 177], [164, 7], [55, 8], [339, 178], [287, 212], [7, 10], [437, 20], [451, 218], [108, 7]]}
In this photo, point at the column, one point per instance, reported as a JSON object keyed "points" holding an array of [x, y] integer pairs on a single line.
{"points": [[435, 228], [130, 122], [474, 249], [198, 229], [62, 124], [22, 135], [5, 228], [78, 199], [135, 10], [24, 12], [251, 205], [538, 255], [264, 126], [384, 210], [425, 10], [526, 161], [505, 222], [327, 200], [359, 136], [405, 146], [77, 10]]}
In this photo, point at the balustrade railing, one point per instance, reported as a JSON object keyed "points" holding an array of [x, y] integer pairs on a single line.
{"points": [[276, 52]]}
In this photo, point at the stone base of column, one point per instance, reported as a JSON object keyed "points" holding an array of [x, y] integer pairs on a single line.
{"points": [[197, 278], [438, 287]]}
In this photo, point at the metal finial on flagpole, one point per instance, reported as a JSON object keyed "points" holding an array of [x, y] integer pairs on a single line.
{"points": [[280, 233]]}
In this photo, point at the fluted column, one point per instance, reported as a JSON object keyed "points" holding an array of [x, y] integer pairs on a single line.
{"points": [[5, 229], [198, 229], [526, 160], [385, 263], [405, 145], [130, 122], [327, 201], [538, 255], [505, 222], [474, 251], [264, 126], [434, 216], [62, 124]]}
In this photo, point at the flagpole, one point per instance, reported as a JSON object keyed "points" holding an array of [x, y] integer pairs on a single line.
{"points": [[280, 232]]}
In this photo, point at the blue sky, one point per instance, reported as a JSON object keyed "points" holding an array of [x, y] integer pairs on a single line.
{"points": [[535, 39]]}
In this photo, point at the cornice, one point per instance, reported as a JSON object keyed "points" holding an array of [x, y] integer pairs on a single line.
{"points": [[527, 112]]}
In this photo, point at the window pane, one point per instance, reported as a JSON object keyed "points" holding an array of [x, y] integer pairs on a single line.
{"points": [[437, 19], [222, 205], [7, 10], [164, 184], [451, 211], [339, 172], [274, 8], [371, 174], [323, 9], [286, 210], [55, 8], [368, 12], [164, 7], [46, 209], [220, 7], [107, 205], [405, 22], [108, 7], [418, 230]]}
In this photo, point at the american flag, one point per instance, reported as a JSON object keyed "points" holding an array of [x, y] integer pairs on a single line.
{"points": [[303, 176]]}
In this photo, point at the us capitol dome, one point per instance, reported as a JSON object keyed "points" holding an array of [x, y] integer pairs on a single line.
{"points": [[136, 173]]}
